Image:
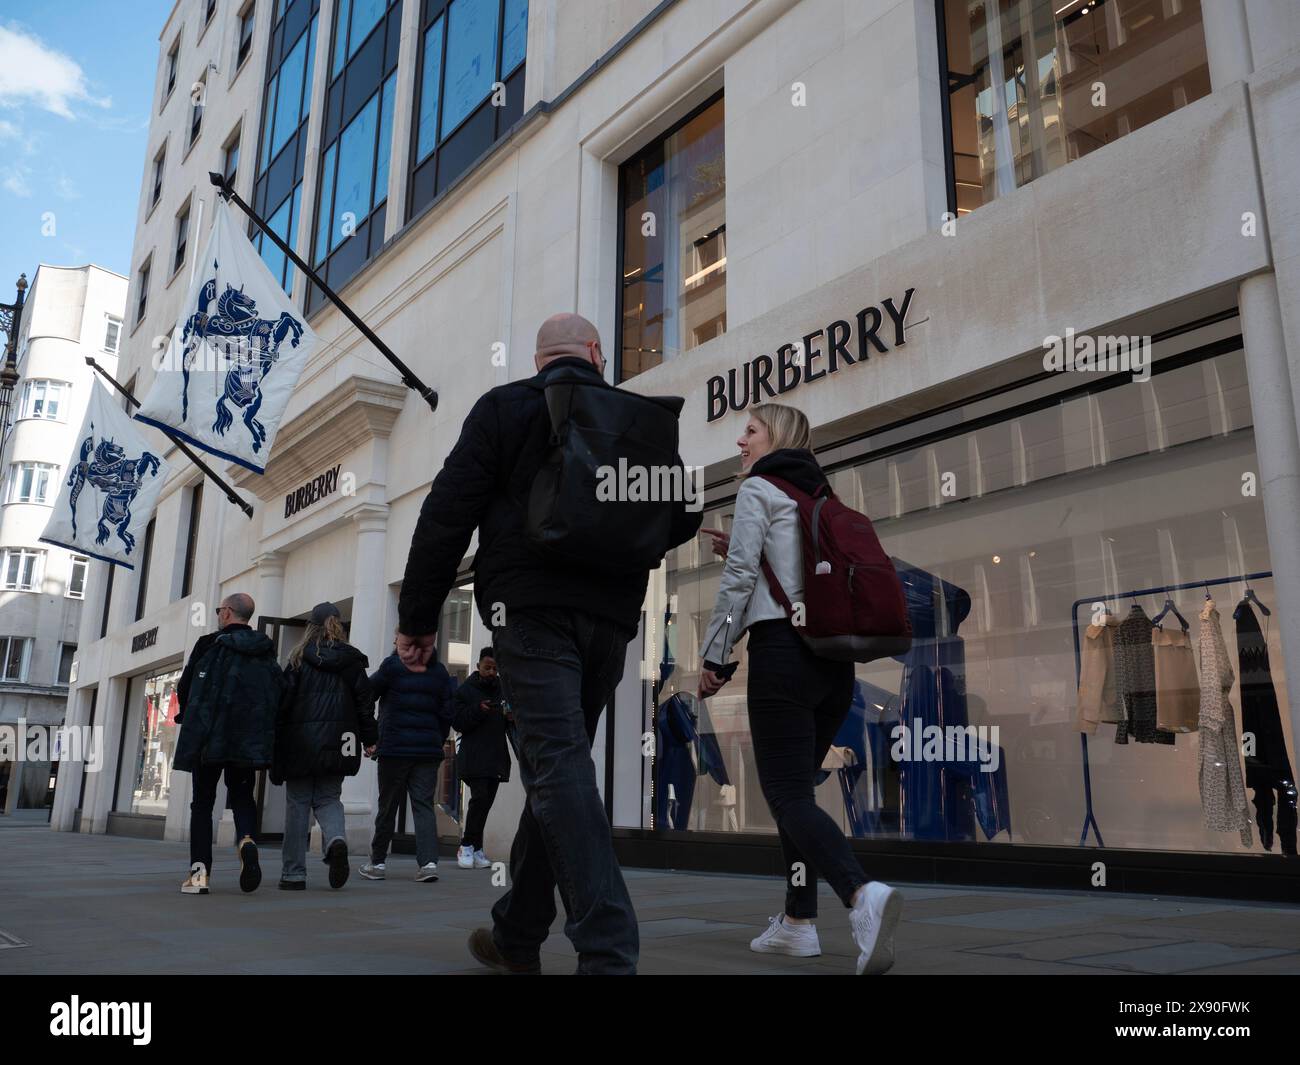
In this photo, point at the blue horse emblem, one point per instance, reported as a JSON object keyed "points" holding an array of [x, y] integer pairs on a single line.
{"points": [[250, 344], [118, 477]]}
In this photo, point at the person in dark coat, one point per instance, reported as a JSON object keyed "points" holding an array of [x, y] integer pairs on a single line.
{"points": [[326, 720], [482, 719], [415, 708], [560, 633], [227, 699]]}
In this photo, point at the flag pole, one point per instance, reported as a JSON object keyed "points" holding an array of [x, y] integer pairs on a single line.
{"points": [[408, 377], [231, 494]]}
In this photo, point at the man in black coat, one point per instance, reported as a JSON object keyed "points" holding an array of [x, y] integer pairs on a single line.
{"points": [[483, 759], [232, 616], [560, 636]]}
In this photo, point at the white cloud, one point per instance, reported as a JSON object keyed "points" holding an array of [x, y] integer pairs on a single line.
{"points": [[66, 188], [15, 179], [32, 73]]}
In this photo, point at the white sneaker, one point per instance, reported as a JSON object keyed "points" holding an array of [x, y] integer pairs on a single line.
{"points": [[481, 860], [874, 920], [796, 940], [377, 871], [428, 872], [465, 857]]}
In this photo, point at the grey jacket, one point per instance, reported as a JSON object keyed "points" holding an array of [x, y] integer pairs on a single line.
{"points": [[766, 523]]}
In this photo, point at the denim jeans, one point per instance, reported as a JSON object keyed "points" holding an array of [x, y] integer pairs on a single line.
{"points": [[304, 796], [482, 793], [797, 703], [399, 777], [239, 796], [559, 668]]}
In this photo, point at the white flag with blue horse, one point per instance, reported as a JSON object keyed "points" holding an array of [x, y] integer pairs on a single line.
{"points": [[112, 485], [236, 354]]}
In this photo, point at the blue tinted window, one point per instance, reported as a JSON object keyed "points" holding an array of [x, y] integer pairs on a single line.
{"points": [[365, 16], [385, 140], [288, 105], [341, 33], [514, 36], [307, 71], [427, 136], [325, 209], [279, 223], [292, 229], [471, 59], [355, 172], [269, 120]]}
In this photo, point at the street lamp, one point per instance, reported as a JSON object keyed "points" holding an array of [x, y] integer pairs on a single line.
{"points": [[11, 322]]}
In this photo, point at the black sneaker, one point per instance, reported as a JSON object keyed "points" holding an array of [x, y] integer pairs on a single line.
{"points": [[250, 872], [293, 885], [337, 859], [485, 951]]}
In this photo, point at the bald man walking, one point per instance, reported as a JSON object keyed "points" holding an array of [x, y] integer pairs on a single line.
{"points": [[560, 636], [228, 696]]}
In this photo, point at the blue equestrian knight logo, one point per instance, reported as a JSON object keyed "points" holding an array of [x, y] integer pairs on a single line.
{"points": [[250, 345], [118, 477]]}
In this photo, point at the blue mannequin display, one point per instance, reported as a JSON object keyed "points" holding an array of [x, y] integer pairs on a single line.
{"points": [[942, 799], [677, 731]]}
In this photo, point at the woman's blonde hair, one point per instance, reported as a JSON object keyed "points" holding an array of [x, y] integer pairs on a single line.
{"points": [[786, 426], [330, 632]]}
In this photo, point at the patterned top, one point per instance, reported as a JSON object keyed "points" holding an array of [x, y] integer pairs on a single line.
{"points": [[1223, 790], [1135, 678]]}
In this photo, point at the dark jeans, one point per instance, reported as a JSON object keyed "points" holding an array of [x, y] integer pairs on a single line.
{"points": [[397, 778], [1286, 804], [797, 703], [482, 793], [559, 668], [239, 796]]}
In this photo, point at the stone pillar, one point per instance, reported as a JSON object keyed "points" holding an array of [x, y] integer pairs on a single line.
{"points": [[99, 788], [71, 772], [367, 632], [270, 584], [1278, 454]]}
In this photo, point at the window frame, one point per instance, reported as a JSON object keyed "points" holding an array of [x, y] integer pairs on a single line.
{"points": [[142, 581], [142, 290], [192, 538], [64, 647], [26, 402], [37, 569], [247, 16], [171, 64], [111, 320], [422, 189], [652, 145], [180, 238], [75, 562], [6, 645], [16, 471]]}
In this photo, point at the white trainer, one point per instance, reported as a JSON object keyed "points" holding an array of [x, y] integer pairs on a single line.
{"points": [[796, 940], [874, 920], [374, 871], [481, 860], [465, 857], [427, 873]]}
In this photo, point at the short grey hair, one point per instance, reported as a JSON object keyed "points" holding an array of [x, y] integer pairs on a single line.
{"points": [[240, 604]]}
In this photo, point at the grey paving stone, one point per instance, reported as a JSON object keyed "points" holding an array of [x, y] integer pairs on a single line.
{"points": [[1172, 958]]}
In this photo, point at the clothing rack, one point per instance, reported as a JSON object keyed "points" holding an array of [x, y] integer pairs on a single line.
{"points": [[1089, 817]]}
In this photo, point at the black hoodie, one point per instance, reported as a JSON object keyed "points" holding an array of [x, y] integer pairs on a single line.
{"points": [[797, 465], [327, 716]]}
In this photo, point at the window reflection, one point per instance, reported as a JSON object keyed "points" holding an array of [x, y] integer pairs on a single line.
{"points": [[1133, 486]]}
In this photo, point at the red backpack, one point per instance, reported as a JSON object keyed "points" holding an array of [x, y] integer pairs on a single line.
{"points": [[854, 610]]}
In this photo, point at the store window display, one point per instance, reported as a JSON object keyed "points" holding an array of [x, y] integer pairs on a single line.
{"points": [[1065, 501]]}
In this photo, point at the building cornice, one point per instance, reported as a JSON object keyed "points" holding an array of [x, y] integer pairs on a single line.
{"points": [[359, 410]]}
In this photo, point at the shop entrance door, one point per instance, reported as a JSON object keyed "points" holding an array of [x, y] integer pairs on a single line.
{"points": [[284, 633]]}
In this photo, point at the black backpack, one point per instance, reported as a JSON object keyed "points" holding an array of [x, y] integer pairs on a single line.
{"points": [[599, 436]]}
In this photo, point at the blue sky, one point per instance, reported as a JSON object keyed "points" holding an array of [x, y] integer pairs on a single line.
{"points": [[76, 83]]}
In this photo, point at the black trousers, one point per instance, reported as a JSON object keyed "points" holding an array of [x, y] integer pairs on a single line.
{"points": [[482, 793], [239, 797], [797, 703]]}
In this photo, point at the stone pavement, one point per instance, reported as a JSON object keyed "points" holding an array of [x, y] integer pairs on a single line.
{"points": [[73, 903]]}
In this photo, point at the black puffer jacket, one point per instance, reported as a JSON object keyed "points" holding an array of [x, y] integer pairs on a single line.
{"points": [[414, 709], [327, 716], [484, 484], [483, 750]]}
